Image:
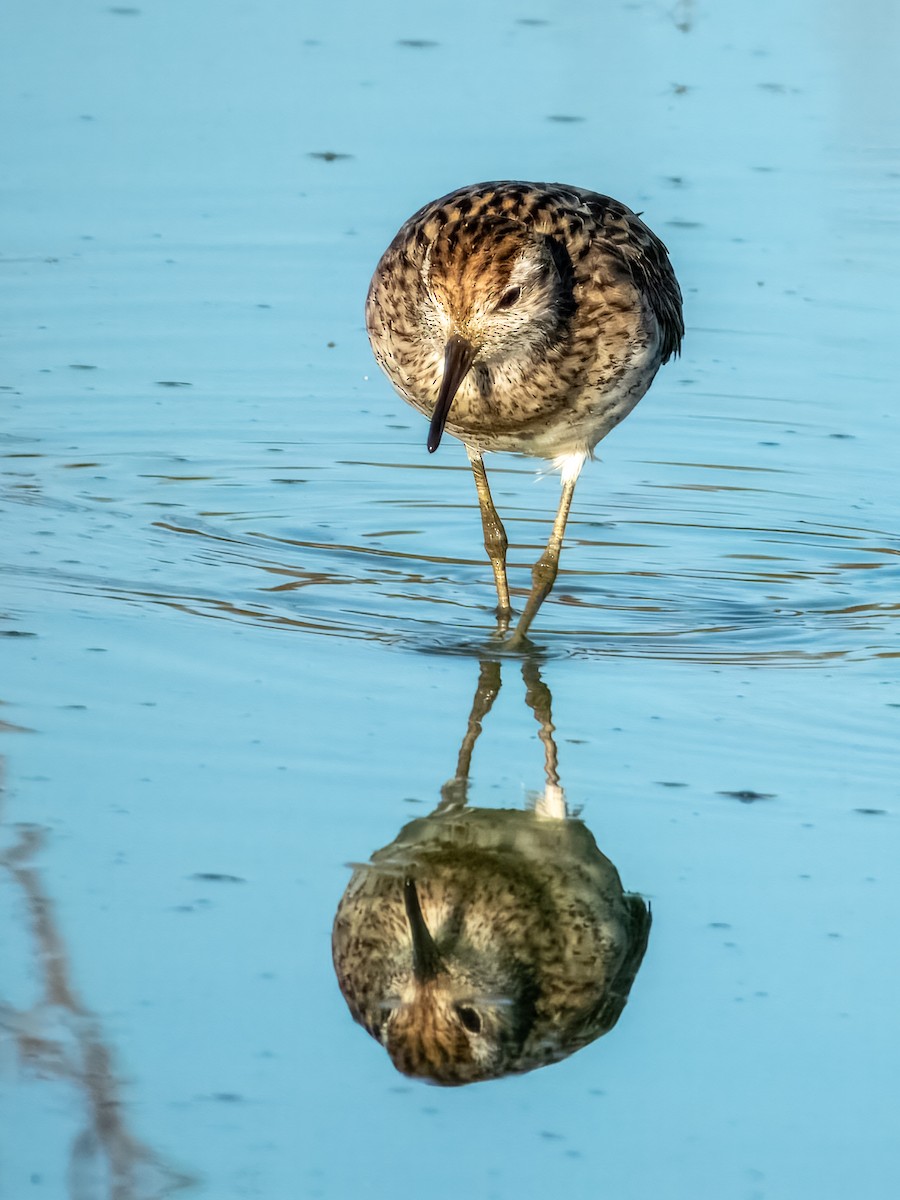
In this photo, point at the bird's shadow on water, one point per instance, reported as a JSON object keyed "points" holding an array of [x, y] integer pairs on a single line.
{"points": [[488, 942]]}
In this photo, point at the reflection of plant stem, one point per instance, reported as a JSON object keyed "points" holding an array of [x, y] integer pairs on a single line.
{"points": [[59, 1037]]}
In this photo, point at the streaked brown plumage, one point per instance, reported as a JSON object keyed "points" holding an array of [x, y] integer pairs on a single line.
{"points": [[524, 317], [484, 942], [487, 942]]}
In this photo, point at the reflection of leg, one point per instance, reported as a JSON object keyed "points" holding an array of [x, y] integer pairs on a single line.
{"points": [[539, 700], [544, 571], [454, 793], [495, 541]]}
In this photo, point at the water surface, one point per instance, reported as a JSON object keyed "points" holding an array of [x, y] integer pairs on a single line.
{"points": [[243, 610]]}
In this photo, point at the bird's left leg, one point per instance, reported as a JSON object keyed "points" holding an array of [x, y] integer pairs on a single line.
{"points": [[543, 574], [495, 540]]}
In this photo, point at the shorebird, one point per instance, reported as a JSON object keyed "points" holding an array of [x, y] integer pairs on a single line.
{"points": [[524, 317]]}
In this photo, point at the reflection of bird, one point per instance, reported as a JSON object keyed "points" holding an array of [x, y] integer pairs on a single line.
{"points": [[483, 942], [524, 317]]}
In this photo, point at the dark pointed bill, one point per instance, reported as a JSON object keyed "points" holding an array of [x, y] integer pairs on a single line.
{"points": [[426, 957], [458, 355]]}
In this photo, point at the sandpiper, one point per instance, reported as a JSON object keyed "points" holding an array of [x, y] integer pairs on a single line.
{"points": [[524, 317]]}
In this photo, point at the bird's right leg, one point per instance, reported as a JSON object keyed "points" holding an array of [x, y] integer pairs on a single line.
{"points": [[495, 540], [544, 572]]}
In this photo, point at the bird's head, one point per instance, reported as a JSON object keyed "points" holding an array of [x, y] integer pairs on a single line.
{"points": [[497, 292]]}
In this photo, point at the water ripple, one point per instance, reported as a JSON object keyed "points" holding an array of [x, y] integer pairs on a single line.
{"points": [[689, 568]]}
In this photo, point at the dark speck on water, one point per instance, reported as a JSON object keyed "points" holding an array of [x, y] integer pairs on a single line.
{"points": [[216, 877], [748, 797]]}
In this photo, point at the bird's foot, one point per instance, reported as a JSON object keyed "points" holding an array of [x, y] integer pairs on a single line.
{"points": [[504, 616]]}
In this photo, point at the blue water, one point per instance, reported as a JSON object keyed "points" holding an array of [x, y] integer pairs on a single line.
{"points": [[243, 609]]}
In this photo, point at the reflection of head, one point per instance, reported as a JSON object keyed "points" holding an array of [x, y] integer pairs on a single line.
{"points": [[482, 943], [464, 1012]]}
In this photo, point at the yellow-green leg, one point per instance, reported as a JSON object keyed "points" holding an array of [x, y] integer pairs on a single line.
{"points": [[544, 572], [495, 540]]}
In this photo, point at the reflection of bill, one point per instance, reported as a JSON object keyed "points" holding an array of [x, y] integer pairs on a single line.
{"points": [[58, 1038], [485, 942]]}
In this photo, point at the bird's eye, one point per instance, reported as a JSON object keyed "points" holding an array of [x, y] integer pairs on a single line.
{"points": [[469, 1018], [509, 297]]}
